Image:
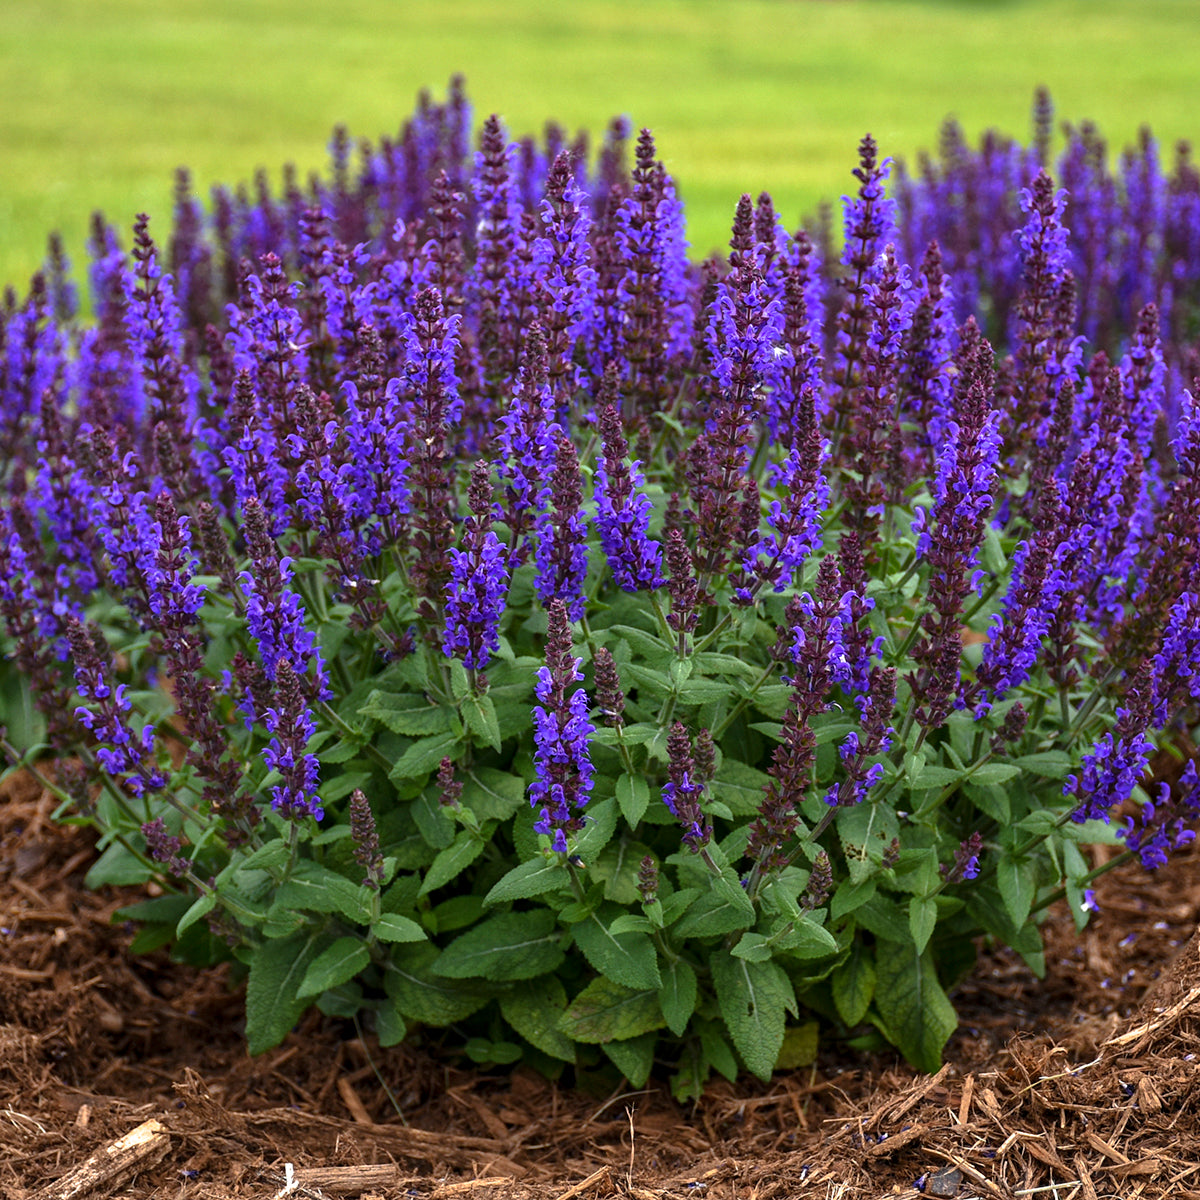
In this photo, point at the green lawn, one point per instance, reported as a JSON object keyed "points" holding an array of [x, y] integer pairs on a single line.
{"points": [[103, 98]]}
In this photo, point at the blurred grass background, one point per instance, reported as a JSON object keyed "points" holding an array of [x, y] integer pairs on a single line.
{"points": [[102, 99]]}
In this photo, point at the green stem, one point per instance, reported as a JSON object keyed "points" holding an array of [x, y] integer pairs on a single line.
{"points": [[1060, 893]]}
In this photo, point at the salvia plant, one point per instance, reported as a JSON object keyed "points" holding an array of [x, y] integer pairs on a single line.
{"points": [[483, 623]]}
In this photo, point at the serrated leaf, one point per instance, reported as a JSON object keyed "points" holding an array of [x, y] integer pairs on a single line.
{"points": [[273, 1004], [600, 822], [421, 995], [634, 1058], [393, 928], [723, 909], [754, 998], [625, 958], [201, 908], [992, 774], [703, 691], [535, 1014], [739, 786], [1050, 764], [406, 713], [334, 966], [1016, 881], [533, 878], [710, 663], [505, 947], [922, 920], [423, 756], [915, 1012], [677, 996], [651, 685], [633, 795], [853, 984], [883, 917], [479, 713], [807, 939], [646, 645], [314, 888], [453, 861], [932, 775], [678, 903], [618, 867], [606, 1012], [493, 795], [753, 947], [850, 896], [434, 821]]}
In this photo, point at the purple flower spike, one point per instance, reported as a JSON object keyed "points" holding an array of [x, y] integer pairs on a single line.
{"points": [[683, 790], [478, 587], [291, 725], [1167, 824], [623, 513], [561, 732]]}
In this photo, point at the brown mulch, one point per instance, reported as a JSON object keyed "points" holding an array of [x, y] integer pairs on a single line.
{"points": [[1080, 1086]]}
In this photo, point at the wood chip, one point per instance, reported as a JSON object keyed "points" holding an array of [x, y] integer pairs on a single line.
{"points": [[350, 1181], [584, 1184], [469, 1185], [112, 1165], [354, 1105]]}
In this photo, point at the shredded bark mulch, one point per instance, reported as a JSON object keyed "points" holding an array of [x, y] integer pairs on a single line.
{"points": [[128, 1078]]}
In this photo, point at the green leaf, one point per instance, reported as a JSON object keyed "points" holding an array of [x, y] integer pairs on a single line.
{"points": [[493, 795], [423, 756], [710, 663], [677, 996], [754, 998], [389, 1025], [807, 939], [646, 645], [718, 1051], [703, 691], [434, 821], [479, 713], [202, 907], [600, 821], [393, 928], [916, 1015], [740, 787], [723, 909], [314, 888], [618, 868], [799, 1047], [273, 1004], [1051, 764], [460, 683], [424, 996], [1016, 881], [533, 878], [853, 984], [334, 966], [535, 1013], [452, 861], [932, 775], [851, 896], [922, 920], [753, 947], [633, 795], [406, 713], [678, 903], [883, 917], [994, 773], [606, 1012], [625, 958], [634, 1058], [505, 947]]}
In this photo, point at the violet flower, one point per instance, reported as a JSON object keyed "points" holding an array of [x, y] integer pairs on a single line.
{"points": [[561, 732], [562, 556], [291, 724], [623, 512], [477, 591]]}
